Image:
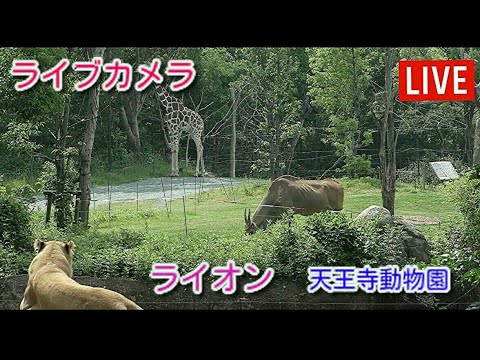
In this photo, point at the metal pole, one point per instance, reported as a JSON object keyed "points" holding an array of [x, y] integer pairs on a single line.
{"points": [[200, 191], [171, 195], [183, 182], [185, 217], [225, 191], [109, 199], [164, 198], [233, 189], [195, 196], [137, 196]]}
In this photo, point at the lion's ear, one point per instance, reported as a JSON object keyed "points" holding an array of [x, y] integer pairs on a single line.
{"points": [[38, 245], [69, 247]]}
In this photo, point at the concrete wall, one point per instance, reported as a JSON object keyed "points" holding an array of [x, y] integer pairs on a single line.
{"points": [[280, 294]]}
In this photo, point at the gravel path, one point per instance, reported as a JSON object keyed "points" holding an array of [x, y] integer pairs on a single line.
{"points": [[152, 189]]}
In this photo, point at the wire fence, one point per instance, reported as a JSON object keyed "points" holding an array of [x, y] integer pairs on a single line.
{"points": [[191, 192], [180, 205]]}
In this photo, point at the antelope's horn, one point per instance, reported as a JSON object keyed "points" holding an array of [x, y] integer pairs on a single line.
{"points": [[245, 216], [249, 219]]}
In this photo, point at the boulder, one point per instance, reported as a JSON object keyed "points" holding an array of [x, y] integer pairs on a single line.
{"points": [[375, 212], [413, 240]]}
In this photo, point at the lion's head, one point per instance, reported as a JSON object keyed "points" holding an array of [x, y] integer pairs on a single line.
{"points": [[57, 252]]}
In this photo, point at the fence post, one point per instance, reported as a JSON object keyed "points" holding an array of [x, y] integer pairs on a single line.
{"points": [[185, 217], [195, 196], [171, 193], [164, 198]]}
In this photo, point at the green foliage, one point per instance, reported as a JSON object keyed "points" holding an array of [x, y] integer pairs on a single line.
{"points": [[358, 165], [14, 262], [463, 252], [466, 194], [15, 230], [331, 239], [339, 84], [24, 192], [48, 177], [461, 256]]}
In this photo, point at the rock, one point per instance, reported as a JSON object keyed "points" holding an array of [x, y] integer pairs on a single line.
{"points": [[379, 213], [414, 242]]}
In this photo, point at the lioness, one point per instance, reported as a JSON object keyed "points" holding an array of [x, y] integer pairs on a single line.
{"points": [[50, 285]]}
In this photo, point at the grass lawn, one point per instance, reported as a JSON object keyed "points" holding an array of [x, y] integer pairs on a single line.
{"points": [[125, 241], [215, 213]]}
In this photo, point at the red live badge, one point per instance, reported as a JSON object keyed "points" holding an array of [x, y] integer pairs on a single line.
{"points": [[436, 80]]}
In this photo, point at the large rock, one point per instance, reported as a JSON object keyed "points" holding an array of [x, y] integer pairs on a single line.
{"points": [[375, 212], [414, 242], [416, 245]]}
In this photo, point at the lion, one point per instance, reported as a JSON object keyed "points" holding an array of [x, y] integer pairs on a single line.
{"points": [[51, 287]]}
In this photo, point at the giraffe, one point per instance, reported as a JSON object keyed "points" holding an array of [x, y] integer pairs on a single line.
{"points": [[180, 119]]}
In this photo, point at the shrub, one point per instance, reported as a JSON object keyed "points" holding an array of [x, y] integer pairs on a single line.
{"points": [[13, 262], [463, 255], [358, 165], [332, 239], [15, 230]]}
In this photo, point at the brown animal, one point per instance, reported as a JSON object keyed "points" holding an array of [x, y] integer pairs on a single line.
{"points": [[50, 284], [304, 197]]}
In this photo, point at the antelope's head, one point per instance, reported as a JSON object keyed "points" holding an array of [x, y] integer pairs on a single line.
{"points": [[250, 227]]}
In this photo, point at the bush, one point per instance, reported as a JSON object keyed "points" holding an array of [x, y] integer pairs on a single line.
{"points": [[463, 255], [15, 230], [358, 165], [13, 262], [332, 239]]}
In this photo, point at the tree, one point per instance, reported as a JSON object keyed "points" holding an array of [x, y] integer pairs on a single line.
{"points": [[476, 142], [340, 85], [274, 85], [233, 140], [383, 107], [86, 148], [131, 102]]}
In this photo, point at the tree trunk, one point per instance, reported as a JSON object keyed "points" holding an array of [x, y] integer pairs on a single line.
{"points": [[131, 105], [109, 138], [468, 112], [476, 136], [476, 144], [233, 139], [390, 167], [62, 196], [303, 114], [132, 139], [356, 105], [87, 145]]}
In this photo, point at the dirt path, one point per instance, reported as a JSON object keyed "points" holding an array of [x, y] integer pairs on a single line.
{"points": [[173, 188]]}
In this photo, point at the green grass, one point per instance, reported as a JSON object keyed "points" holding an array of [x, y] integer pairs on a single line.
{"points": [[431, 202], [215, 227], [214, 212]]}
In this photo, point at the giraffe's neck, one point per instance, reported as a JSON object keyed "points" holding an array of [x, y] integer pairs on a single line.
{"points": [[165, 98]]}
